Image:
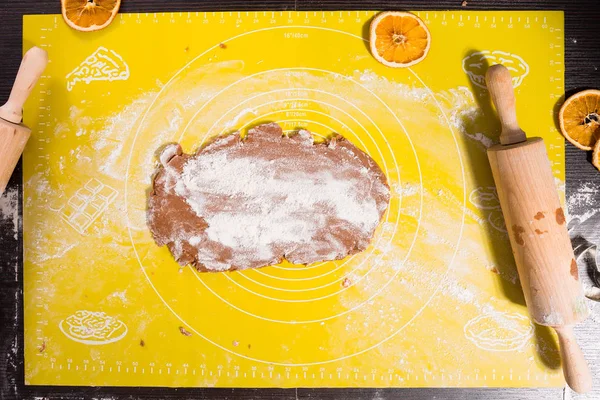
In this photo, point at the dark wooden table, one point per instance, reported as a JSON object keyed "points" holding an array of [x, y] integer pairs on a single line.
{"points": [[582, 59]]}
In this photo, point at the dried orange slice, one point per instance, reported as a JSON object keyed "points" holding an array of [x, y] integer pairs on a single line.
{"points": [[89, 15], [399, 39], [596, 155], [579, 119]]}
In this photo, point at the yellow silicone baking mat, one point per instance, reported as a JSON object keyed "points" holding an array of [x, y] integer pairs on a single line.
{"points": [[434, 301]]}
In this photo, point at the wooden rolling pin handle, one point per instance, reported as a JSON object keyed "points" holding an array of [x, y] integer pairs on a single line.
{"points": [[13, 134], [575, 368], [32, 66], [499, 84]]}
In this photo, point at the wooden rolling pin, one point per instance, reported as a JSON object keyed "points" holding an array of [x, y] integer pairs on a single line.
{"points": [[13, 134], [537, 229]]}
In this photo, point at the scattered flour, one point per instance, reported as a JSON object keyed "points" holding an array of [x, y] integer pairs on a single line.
{"points": [[584, 202], [9, 209], [586, 195], [234, 122], [552, 319], [405, 91], [61, 129], [464, 115], [379, 395], [408, 189], [112, 137], [119, 295], [481, 138], [458, 291], [57, 252]]}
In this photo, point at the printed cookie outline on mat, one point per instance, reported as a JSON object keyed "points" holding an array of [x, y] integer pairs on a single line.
{"points": [[487, 199], [483, 331], [93, 327], [87, 204], [101, 65], [473, 65]]}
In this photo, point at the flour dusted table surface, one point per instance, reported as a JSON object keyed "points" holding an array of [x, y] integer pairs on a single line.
{"points": [[582, 61]]}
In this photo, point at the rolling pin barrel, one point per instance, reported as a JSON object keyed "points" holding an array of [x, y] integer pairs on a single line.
{"points": [[538, 234], [537, 230], [13, 134]]}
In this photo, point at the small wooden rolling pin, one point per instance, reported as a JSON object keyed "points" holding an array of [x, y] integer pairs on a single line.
{"points": [[537, 230], [13, 134]]}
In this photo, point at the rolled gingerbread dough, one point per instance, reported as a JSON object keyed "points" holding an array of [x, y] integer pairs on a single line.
{"points": [[249, 202]]}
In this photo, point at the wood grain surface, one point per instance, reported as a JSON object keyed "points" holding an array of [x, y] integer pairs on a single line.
{"points": [[582, 62]]}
